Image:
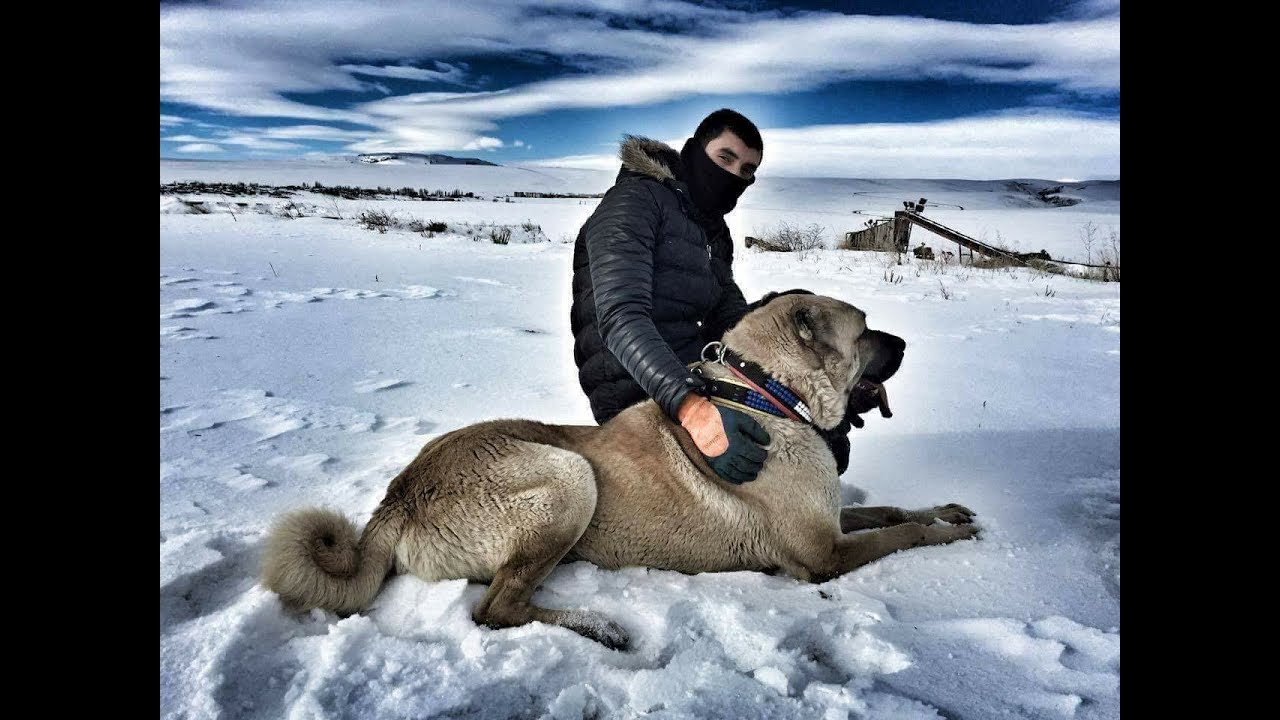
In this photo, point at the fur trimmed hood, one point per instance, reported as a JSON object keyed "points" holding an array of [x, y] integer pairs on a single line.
{"points": [[649, 157]]}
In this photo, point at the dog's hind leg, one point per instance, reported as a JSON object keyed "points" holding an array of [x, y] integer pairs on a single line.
{"points": [[562, 483], [854, 551], [863, 518], [507, 603]]}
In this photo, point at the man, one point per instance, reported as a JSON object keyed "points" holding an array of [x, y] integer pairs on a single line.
{"points": [[653, 284]]}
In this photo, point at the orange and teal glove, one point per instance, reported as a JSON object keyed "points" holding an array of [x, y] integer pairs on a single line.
{"points": [[732, 441]]}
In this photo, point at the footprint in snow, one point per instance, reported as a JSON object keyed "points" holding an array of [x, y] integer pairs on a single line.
{"points": [[278, 299], [1066, 665], [178, 332], [348, 294], [1086, 649], [225, 285], [187, 308], [418, 292], [243, 481], [1100, 511], [301, 464], [483, 281], [379, 384], [212, 587]]}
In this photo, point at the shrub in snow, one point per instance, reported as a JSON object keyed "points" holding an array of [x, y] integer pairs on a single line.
{"points": [[428, 228], [378, 220], [787, 237]]}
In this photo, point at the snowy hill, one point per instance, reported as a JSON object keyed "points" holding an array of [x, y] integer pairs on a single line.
{"points": [[305, 361], [488, 179], [420, 158]]}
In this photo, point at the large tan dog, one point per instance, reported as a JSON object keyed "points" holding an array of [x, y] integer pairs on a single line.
{"points": [[504, 501]]}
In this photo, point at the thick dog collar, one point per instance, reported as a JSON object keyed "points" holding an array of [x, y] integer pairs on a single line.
{"points": [[757, 390]]}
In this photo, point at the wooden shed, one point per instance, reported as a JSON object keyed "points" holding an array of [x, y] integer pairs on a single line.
{"points": [[877, 236]]}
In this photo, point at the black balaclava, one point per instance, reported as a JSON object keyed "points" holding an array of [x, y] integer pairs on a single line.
{"points": [[715, 190]]}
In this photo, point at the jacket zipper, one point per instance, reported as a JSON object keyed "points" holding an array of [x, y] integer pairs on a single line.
{"points": [[684, 199]]}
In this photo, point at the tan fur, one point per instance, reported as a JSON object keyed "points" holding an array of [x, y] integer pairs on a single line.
{"points": [[645, 156], [314, 559], [505, 501]]}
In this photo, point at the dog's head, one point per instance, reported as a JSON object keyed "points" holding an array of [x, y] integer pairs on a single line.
{"points": [[820, 347]]}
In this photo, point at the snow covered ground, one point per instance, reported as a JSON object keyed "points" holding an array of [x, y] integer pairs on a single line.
{"points": [[305, 361], [986, 210]]}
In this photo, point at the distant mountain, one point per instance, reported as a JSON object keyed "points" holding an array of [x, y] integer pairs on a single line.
{"points": [[432, 159], [1036, 193]]}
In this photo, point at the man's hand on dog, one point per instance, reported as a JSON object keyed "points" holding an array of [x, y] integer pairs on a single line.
{"points": [[732, 442]]}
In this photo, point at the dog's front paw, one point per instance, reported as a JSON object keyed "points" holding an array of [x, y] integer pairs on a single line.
{"points": [[952, 513], [943, 534]]}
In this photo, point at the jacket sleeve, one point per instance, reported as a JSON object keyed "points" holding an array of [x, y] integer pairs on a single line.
{"points": [[732, 305], [620, 250]]}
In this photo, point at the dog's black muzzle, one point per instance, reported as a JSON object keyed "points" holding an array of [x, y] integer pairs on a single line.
{"points": [[868, 394]]}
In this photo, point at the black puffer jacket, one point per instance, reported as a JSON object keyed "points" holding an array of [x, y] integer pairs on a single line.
{"points": [[652, 284]]}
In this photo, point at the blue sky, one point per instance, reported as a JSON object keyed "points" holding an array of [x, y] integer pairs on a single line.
{"points": [[853, 89]]}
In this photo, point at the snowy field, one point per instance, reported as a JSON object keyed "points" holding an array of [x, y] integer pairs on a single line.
{"points": [[306, 361]]}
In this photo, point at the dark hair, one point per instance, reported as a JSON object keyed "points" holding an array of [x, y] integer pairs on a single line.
{"points": [[725, 119], [772, 295]]}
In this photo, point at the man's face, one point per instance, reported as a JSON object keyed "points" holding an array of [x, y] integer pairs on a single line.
{"points": [[729, 152]]}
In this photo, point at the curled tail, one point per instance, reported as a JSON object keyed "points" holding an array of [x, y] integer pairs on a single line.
{"points": [[313, 559]]}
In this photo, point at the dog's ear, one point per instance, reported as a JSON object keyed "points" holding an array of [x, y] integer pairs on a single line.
{"points": [[813, 328], [807, 323], [773, 295]]}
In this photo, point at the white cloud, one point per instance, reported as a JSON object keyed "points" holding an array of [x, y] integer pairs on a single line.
{"points": [[242, 60], [1093, 8], [579, 162], [518, 143], [1007, 145], [483, 143], [169, 120], [264, 138], [247, 138], [797, 54], [309, 132], [198, 148], [255, 142], [445, 72]]}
